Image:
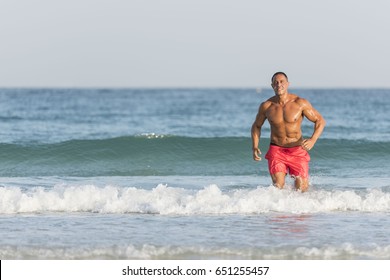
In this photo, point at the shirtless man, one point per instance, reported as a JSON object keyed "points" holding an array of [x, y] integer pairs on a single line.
{"points": [[288, 151]]}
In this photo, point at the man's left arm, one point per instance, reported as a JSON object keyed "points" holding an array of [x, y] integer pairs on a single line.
{"points": [[319, 124]]}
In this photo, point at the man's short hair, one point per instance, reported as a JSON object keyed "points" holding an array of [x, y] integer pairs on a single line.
{"points": [[278, 73]]}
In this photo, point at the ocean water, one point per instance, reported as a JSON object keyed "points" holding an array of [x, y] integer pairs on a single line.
{"points": [[168, 174]]}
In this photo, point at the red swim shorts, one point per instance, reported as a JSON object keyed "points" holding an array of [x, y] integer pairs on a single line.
{"points": [[295, 160]]}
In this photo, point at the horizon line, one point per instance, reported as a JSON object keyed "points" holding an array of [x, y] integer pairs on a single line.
{"points": [[257, 88]]}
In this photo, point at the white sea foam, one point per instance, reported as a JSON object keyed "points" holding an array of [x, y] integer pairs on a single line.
{"points": [[147, 251], [167, 200], [152, 135]]}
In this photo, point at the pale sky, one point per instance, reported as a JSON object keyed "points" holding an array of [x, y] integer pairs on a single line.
{"points": [[194, 43]]}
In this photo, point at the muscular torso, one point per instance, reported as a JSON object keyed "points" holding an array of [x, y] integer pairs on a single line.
{"points": [[285, 121]]}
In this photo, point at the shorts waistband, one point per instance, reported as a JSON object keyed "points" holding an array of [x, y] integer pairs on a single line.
{"points": [[273, 144]]}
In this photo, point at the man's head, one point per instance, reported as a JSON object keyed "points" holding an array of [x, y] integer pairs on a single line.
{"points": [[280, 83], [278, 73]]}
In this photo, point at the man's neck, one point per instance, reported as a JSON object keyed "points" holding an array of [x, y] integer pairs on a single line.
{"points": [[283, 99]]}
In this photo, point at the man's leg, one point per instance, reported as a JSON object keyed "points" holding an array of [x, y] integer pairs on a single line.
{"points": [[299, 168], [301, 184], [278, 179]]}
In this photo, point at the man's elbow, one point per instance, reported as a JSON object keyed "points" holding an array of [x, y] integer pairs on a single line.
{"points": [[320, 121], [323, 122], [252, 127], [255, 128]]}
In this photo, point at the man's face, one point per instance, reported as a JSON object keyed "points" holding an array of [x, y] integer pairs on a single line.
{"points": [[280, 84]]}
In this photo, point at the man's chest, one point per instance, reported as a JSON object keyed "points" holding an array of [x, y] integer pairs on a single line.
{"points": [[289, 113]]}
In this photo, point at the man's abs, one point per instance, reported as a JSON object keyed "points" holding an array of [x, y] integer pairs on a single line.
{"points": [[286, 141]]}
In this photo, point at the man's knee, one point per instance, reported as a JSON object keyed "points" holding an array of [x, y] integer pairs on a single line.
{"points": [[302, 184], [278, 179]]}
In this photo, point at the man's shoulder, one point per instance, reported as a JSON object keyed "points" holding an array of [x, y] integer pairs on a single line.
{"points": [[299, 100], [267, 103], [270, 100], [294, 97]]}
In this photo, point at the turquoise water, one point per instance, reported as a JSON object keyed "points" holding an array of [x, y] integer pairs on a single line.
{"points": [[166, 155], [168, 173]]}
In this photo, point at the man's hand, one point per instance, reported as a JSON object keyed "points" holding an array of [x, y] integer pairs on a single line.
{"points": [[256, 154], [308, 144]]}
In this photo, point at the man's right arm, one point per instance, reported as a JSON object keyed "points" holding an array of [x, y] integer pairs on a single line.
{"points": [[256, 131]]}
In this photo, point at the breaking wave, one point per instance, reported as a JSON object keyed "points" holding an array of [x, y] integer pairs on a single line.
{"points": [[165, 200], [147, 251]]}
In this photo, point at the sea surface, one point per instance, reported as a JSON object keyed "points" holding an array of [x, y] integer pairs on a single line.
{"points": [[169, 174]]}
